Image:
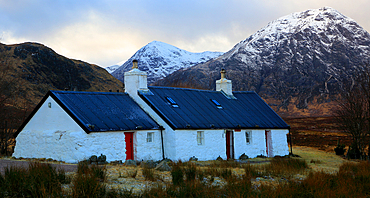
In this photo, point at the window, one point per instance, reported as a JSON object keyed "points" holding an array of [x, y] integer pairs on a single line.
{"points": [[150, 137], [200, 137], [248, 137], [218, 105], [172, 102]]}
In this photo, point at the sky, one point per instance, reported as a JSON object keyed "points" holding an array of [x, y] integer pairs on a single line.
{"points": [[107, 32]]}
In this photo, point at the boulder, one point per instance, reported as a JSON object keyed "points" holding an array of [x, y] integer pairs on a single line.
{"points": [[130, 163], [163, 166]]}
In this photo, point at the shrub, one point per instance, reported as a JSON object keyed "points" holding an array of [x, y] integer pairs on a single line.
{"points": [[226, 173], [87, 182], [86, 185], [250, 171], [39, 180], [148, 173], [190, 172], [177, 175], [340, 149], [353, 152]]}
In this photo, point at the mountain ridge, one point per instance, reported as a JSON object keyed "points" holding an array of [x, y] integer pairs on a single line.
{"points": [[38, 69], [160, 59], [295, 62]]}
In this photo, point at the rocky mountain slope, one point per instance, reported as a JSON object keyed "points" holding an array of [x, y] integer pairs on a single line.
{"points": [[159, 59], [36, 69], [296, 62]]}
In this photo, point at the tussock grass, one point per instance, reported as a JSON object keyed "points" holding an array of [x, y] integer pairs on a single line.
{"points": [[39, 180], [285, 167], [148, 173], [88, 181]]}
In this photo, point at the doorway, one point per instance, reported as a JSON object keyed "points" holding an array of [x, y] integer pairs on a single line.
{"points": [[129, 140], [230, 144], [269, 150]]}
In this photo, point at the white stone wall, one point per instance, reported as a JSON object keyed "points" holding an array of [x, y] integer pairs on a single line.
{"points": [[257, 145], [279, 142], [187, 145], [168, 133], [70, 146], [144, 150], [51, 133]]}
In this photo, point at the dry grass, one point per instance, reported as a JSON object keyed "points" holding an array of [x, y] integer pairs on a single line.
{"points": [[328, 162], [315, 174]]}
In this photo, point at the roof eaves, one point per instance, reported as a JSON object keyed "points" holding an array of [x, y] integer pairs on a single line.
{"points": [[70, 113], [38, 106]]}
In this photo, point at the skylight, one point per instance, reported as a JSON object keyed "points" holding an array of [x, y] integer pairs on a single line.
{"points": [[218, 105], [172, 102]]}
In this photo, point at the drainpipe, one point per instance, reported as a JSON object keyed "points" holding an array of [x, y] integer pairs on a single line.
{"points": [[161, 128], [290, 141]]}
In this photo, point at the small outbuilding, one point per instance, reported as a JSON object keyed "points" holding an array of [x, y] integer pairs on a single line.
{"points": [[152, 123]]}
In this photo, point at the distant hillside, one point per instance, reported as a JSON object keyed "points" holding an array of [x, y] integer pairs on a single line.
{"points": [[37, 69], [297, 62]]}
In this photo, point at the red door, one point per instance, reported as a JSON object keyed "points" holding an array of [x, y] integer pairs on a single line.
{"points": [[229, 144], [268, 143], [129, 139]]}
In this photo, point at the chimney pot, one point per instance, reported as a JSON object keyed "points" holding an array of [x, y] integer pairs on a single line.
{"points": [[223, 72], [134, 64]]}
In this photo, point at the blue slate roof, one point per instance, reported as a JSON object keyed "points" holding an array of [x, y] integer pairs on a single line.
{"points": [[202, 109], [101, 111]]}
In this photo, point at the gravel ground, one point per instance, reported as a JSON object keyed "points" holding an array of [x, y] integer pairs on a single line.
{"points": [[23, 163]]}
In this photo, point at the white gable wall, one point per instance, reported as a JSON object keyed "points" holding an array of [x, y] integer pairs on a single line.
{"points": [[48, 118], [279, 142]]}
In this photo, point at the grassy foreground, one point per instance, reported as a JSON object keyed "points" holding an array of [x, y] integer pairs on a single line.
{"points": [[316, 174]]}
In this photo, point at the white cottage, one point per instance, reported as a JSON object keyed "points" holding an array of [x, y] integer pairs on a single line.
{"points": [[152, 123]]}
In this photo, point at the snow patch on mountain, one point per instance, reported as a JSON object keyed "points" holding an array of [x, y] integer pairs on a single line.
{"points": [[112, 68], [327, 23], [160, 59]]}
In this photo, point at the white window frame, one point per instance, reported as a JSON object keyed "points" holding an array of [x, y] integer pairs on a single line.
{"points": [[150, 137], [200, 137], [248, 137]]}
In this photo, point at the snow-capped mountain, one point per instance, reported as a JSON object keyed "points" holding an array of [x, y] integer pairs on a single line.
{"points": [[299, 58], [112, 68], [159, 59]]}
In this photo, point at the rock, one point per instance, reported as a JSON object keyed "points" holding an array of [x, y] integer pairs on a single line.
{"points": [[130, 163], [193, 159], [243, 157], [163, 166], [102, 159], [148, 164], [116, 162], [93, 159]]}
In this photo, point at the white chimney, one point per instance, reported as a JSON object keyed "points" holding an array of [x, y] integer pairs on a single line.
{"points": [[135, 80], [224, 84]]}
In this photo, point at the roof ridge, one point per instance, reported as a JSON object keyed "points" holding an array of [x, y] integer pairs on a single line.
{"points": [[181, 88], [87, 92]]}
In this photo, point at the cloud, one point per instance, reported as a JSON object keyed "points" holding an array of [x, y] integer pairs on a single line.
{"points": [[107, 32]]}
